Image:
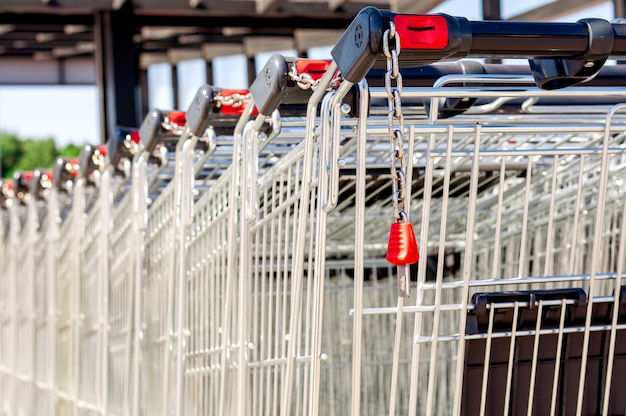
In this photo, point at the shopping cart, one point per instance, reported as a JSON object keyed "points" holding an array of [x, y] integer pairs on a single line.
{"points": [[27, 326], [156, 292], [156, 157], [92, 196], [208, 261], [167, 221], [7, 302], [123, 243], [513, 196], [23, 226], [41, 256], [237, 340], [67, 285]]}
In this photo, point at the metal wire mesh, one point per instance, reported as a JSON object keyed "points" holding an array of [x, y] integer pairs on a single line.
{"points": [[245, 273]]}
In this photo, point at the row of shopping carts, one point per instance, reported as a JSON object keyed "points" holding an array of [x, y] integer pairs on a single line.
{"points": [[258, 253]]}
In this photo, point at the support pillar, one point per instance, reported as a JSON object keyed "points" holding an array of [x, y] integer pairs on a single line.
{"points": [[209, 72], [620, 8], [144, 102], [251, 70], [492, 11], [175, 87], [117, 70]]}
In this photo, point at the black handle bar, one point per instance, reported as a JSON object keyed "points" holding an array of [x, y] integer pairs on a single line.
{"points": [[560, 54]]}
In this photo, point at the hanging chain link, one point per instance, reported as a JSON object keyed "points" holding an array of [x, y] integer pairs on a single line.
{"points": [[401, 229], [304, 81], [99, 157], [395, 123], [172, 128], [307, 82], [235, 100], [131, 145]]}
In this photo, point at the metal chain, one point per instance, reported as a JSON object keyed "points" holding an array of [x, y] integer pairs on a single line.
{"points": [[130, 144], [306, 82], [172, 128], [393, 86], [395, 123], [98, 159], [234, 100]]}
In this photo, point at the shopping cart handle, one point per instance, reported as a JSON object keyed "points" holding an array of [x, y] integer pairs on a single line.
{"points": [[6, 192], [150, 129], [268, 88], [563, 51], [41, 181], [123, 145], [285, 81], [64, 171], [481, 300], [215, 107], [87, 160], [21, 184], [429, 39], [478, 318], [200, 110]]}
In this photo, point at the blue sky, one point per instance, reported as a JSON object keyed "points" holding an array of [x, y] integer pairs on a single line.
{"points": [[69, 114]]}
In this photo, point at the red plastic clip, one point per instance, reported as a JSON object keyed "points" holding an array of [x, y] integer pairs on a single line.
{"points": [[102, 150], [402, 246], [73, 167], [315, 68], [134, 136], [27, 176], [177, 117], [238, 107], [422, 31]]}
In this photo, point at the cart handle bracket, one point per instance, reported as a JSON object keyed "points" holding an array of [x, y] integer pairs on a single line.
{"points": [[551, 74], [561, 54], [430, 38], [286, 81]]}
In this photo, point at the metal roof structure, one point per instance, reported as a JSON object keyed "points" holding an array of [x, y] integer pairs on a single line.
{"points": [[111, 43]]}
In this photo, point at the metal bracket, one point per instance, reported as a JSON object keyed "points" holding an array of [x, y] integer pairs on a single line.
{"points": [[551, 74], [150, 129], [87, 163], [360, 47], [200, 110], [121, 147], [481, 300], [40, 182], [267, 90], [64, 171], [21, 184]]}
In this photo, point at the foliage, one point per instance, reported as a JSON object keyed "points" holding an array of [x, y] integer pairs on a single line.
{"points": [[27, 154], [71, 150], [11, 152], [37, 154]]}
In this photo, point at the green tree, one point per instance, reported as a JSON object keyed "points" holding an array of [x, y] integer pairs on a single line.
{"points": [[37, 154], [11, 152], [70, 150], [27, 154]]}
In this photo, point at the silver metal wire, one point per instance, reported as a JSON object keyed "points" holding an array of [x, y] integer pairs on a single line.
{"points": [[248, 275]]}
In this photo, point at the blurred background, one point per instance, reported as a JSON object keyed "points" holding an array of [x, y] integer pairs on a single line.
{"points": [[72, 70]]}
